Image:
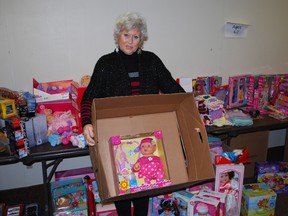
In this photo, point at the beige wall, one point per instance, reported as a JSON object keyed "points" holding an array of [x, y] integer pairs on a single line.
{"points": [[62, 39]]}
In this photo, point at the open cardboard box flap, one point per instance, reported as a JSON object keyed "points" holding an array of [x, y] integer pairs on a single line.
{"points": [[184, 138]]}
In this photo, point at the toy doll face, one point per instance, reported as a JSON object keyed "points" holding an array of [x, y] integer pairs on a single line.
{"points": [[147, 148], [129, 40], [224, 177]]}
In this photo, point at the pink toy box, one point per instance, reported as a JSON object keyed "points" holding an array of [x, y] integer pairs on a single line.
{"points": [[51, 91], [237, 91], [140, 162], [258, 199], [221, 197], [76, 94], [229, 180], [201, 205], [74, 173], [274, 174], [203, 186]]}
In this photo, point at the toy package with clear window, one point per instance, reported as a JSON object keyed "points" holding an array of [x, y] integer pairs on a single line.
{"points": [[139, 162], [237, 91]]}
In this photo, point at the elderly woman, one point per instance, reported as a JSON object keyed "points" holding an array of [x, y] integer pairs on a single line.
{"points": [[129, 70]]}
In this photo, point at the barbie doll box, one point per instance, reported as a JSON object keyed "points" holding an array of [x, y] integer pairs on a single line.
{"points": [[258, 199], [184, 140]]}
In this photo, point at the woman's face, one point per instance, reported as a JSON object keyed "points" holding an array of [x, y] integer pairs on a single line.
{"points": [[129, 41]]}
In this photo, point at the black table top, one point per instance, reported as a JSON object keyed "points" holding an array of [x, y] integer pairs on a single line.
{"points": [[46, 152], [264, 123]]}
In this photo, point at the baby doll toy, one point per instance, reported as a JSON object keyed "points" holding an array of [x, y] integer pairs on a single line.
{"points": [[62, 129], [168, 208], [149, 166]]}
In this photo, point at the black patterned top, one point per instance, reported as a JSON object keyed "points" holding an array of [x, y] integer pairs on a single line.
{"points": [[110, 79]]}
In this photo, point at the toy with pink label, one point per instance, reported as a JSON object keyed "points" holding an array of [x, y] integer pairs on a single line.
{"points": [[229, 180], [140, 162], [238, 86]]}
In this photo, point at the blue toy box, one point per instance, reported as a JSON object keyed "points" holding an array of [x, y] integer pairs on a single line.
{"points": [[258, 199]]}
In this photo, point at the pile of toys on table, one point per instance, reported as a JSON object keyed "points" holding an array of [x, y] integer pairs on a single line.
{"points": [[50, 114], [243, 99]]}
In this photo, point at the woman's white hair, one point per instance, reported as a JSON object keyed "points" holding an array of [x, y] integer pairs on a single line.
{"points": [[128, 21]]}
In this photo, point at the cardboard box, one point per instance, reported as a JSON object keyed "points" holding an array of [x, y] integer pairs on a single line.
{"points": [[184, 137], [258, 199]]}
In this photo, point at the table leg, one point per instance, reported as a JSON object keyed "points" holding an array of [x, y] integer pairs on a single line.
{"points": [[46, 181]]}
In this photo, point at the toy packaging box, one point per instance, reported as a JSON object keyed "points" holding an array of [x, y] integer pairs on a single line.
{"points": [[51, 91], [158, 204], [140, 162], [237, 91], [274, 174], [36, 128], [184, 139], [201, 205], [183, 199], [7, 108], [258, 199], [229, 180], [221, 197], [76, 94], [70, 201]]}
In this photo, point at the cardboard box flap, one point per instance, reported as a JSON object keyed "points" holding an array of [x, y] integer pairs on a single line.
{"points": [[184, 138]]}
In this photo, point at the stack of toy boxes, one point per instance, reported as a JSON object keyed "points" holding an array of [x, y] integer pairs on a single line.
{"points": [[88, 177], [69, 197], [258, 199], [229, 180], [274, 174], [17, 136]]}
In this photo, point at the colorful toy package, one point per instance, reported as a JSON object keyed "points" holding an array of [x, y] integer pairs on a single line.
{"points": [[237, 90], [274, 174], [70, 201], [51, 91], [140, 162], [201, 205], [183, 199], [162, 203], [258, 199], [229, 180]]}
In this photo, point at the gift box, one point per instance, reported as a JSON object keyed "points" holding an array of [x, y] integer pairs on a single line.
{"points": [[139, 162], [184, 138], [229, 180], [51, 91], [258, 199]]}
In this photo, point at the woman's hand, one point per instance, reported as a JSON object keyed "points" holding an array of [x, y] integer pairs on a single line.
{"points": [[89, 134]]}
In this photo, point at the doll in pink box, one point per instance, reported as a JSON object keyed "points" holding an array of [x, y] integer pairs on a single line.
{"points": [[149, 166], [229, 186]]}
